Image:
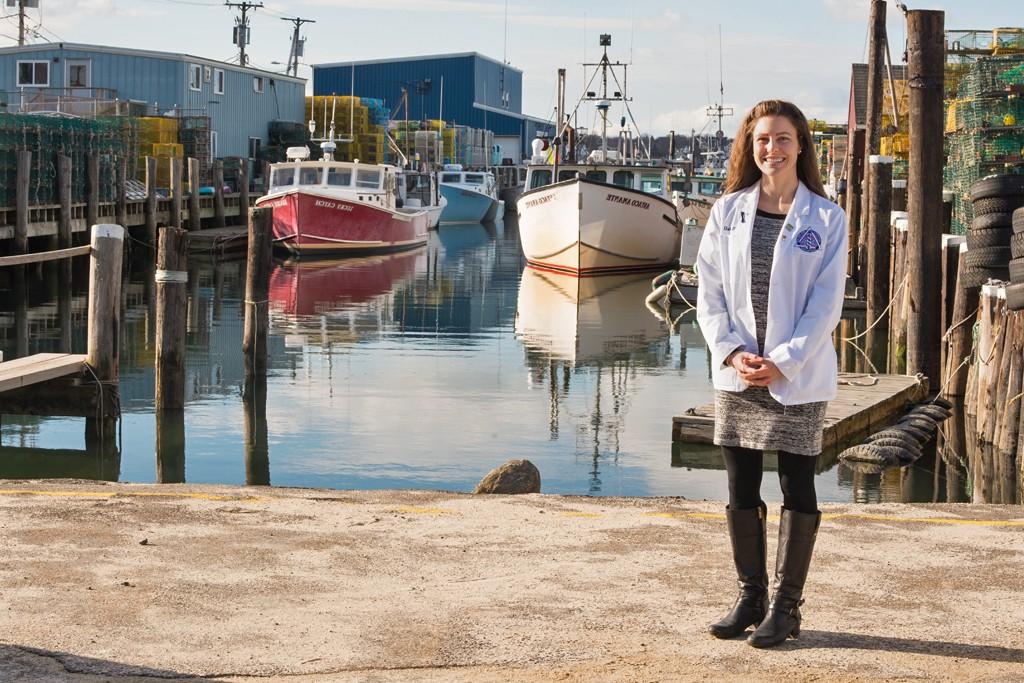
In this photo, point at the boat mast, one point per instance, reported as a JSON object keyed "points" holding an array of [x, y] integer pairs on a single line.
{"points": [[557, 142]]}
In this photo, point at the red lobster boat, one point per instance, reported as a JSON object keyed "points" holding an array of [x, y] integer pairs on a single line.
{"points": [[341, 207]]}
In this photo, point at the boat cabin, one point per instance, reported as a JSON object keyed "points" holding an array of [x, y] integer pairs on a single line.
{"points": [[649, 179], [366, 182], [482, 181]]}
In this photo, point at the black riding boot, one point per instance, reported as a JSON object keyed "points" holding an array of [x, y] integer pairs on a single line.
{"points": [[797, 531], [748, 535]]}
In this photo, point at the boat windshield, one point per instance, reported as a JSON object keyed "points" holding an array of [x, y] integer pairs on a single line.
{"points": [[367, 178], [567, 174], [680, 185], [710, 189], [540, 179], [652, 184], [309, 176], [623, 179], [451, 178], [339, 177], [474, 178], [597, 176], [282, 177]]}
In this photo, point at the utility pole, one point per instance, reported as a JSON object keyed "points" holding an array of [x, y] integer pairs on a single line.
{"points": [[21, 22], [298, 44], [241, 33]]}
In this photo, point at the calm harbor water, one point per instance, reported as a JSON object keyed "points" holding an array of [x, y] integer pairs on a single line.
{"points": [[416, 370]]}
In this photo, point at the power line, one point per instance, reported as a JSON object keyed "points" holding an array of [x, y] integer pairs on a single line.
{"points": [[241, 34]]}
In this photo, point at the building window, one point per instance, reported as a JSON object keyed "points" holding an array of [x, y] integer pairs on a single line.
{"points": [[195, 75], [258, 84], [34, 74], [218, 81], [254, 147], [78, 75]]}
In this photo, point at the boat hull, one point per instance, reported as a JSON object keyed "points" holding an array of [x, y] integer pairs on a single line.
{"points": [[467, 206], [582, 228], [306, 223]]}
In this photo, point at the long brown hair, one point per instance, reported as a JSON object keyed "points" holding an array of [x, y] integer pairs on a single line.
{"points": [[743, 172]]}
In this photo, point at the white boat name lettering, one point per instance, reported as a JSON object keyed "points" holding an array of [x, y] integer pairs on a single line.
{"points": [[278, 203], [331, 205], [626, 200], [539, 200]]}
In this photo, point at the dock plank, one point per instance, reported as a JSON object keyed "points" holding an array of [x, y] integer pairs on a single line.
{"points": [[39, 368], [856, 409]]}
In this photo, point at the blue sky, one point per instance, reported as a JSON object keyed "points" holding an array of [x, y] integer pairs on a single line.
{"points": [[793, 49]]}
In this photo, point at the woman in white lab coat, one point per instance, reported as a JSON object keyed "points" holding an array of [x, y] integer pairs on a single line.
{"points": [[772, 267]]}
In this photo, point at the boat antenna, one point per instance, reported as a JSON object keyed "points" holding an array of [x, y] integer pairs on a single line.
{"points": [[557, 142], [718, 111]]}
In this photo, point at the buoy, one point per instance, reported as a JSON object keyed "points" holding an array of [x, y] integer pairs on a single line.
{"points": [[657, 295]]}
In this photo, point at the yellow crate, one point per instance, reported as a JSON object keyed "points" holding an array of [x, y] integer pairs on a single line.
{"points": [[168, 150], [951, 117]]}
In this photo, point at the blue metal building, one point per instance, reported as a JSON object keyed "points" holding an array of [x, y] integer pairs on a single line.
{"points": [[467, 89], [239, 101]]}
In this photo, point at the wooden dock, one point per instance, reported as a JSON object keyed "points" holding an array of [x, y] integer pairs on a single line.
{"points": [[220, 242], [862, 404], [42, 367]]}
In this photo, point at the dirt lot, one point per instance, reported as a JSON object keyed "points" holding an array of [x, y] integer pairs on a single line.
{"points": [[117, 582]]}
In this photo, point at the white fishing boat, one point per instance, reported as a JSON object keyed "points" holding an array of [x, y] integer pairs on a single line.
{"points": [[609, 214], [472, 196]]}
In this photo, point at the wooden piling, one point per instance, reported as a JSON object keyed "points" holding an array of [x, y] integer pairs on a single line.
{"points": [[959, 339], [176, 189], [195, 219], [925, 66], [243, 189], [257, 449], [986, 354], [104, 315], [92, 189], [171, 278], [218, 193], [1000, 366], [64, 197], [170, 446], [950, 265], [21, 201], [150, 206], [873, 121], [899, 195], [257, 287], [879, 238], [266, 177], [898, 312], [853, 186], [1006, 441], [121, 191]]}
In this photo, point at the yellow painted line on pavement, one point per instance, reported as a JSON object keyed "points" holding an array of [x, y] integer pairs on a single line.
{"points": [[864, 516], [578, 513], [127, 494], [418, 510]]}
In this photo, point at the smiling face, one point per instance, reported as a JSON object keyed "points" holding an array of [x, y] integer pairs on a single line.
{"points": [[776, 146]]}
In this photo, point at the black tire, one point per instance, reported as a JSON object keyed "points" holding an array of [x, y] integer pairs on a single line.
{"points": [[939, 401], [1015, 296], [925, 424], [901, 441], [881, 456], [988, 257], [936, 413], [992, 220], [973, 276], [1017, 269], [1017, 220], [993, 205], [988, 237], [1017, 245], [997, 186]]}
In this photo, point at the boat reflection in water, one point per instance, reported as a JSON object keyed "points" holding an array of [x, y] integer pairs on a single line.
{"points": [[589, 331], [304, 288]]}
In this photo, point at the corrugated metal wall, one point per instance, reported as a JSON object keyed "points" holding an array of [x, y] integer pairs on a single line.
{"points": [[237, 115]]}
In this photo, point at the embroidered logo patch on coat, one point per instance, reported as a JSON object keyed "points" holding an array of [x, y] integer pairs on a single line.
{"points": [[808, 240]]}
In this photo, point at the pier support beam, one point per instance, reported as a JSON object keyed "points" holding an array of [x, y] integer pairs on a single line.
{"points": [[149, 208], [64, 197], [853, 194], [257, 287], [243, 189], [218, 194], [176, 171], [873, 117], [104, 317], [171, 278], [195, 218], [925, 64], [121, 191], [92, 189], [21, 202]]}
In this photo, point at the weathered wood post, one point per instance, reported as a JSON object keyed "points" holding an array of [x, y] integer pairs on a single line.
{"points": [[1006, 441], [873, 119], [64, 197], [950, 273], [243, 190], [257, 450], [266, 177], [176, 189], [926, 49], [195, 217], [121, 191], [879, 238], [986, 354], [218, 193], [92, 189], [104, 323], [21, 201], [257, 287], [899, 195], [1000, 370], [171, 278], [897, 285], [853, 186], [170, 446], [959, 338], [150, 205]]}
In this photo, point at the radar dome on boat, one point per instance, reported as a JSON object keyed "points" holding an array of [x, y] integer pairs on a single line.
{"points": [[297, 153]]}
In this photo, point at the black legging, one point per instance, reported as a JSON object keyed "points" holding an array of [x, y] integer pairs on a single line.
{"points": [[796, 475]]}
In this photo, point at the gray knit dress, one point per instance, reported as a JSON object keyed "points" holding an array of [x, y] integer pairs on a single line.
{"points": [[752, 418]]}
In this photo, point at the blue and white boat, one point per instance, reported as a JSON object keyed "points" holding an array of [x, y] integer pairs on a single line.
{"points": [[472, 195]]}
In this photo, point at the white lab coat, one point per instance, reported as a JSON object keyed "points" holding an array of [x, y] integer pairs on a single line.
{"points": [[805, 301]]}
